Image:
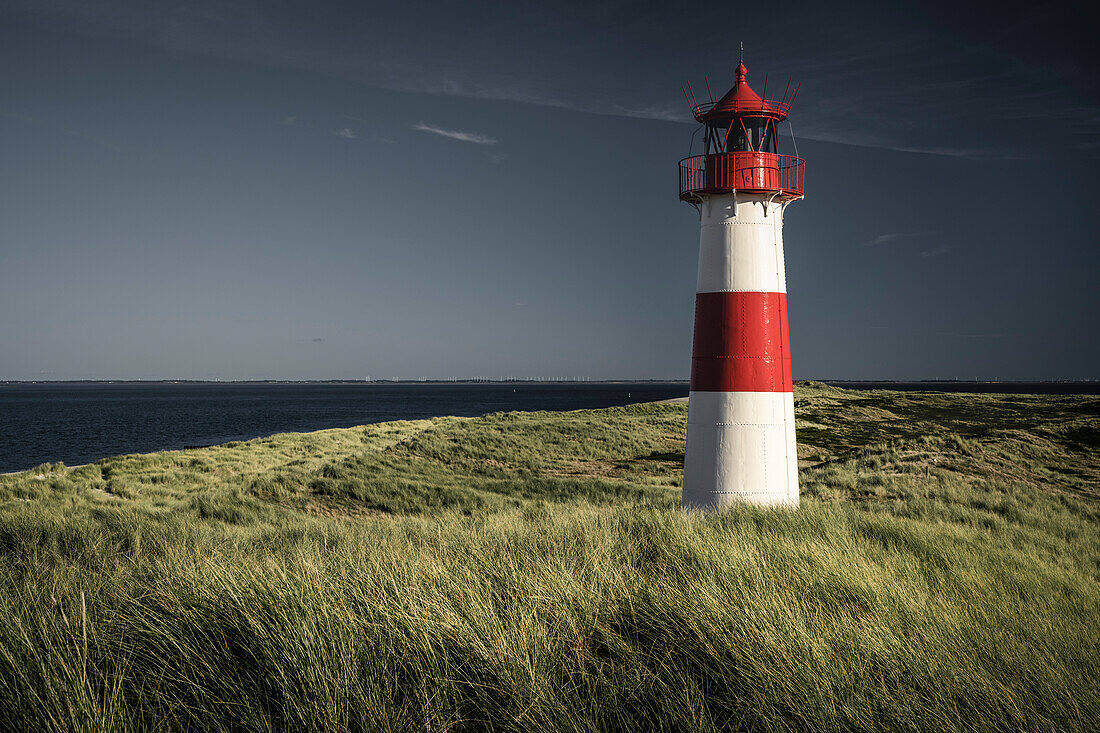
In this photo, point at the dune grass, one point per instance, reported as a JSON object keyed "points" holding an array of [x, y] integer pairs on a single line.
{"points": [[532, 571]]}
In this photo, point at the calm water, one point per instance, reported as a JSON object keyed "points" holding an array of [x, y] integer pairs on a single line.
{"points": [[80, 423]]}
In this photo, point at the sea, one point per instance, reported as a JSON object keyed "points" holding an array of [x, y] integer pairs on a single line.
{"points": [[77, 423]]}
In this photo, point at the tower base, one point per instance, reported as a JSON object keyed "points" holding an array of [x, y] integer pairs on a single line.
{"points": [[740, 450]]}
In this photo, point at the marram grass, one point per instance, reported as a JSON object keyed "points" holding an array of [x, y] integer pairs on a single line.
{"points": [[525, 572]]}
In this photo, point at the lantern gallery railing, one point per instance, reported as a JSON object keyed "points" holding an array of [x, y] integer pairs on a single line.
{"points": [[749, 171], [777, 109]]}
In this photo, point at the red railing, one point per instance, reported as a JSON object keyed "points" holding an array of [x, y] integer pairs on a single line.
{"points": [[780, 109], [743, 171]]}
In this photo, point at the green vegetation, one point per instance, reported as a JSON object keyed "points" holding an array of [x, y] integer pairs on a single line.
{"points": [[531, 571]]}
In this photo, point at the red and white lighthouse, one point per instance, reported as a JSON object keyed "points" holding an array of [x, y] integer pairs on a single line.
{"points": [[740, 437]]}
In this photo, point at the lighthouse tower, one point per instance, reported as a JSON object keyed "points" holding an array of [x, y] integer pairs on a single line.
{"points": [[740, 435]]}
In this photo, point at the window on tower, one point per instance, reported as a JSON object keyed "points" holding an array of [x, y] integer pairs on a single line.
{"points": [[740, 137], [767, 137], [742, 134]]}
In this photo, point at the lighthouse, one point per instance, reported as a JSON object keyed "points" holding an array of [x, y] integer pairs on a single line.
{"points": [[740, 434]]}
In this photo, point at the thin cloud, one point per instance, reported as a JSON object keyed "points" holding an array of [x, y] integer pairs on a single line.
{"points": [[883, 239], [938, 251], [348, 133], [893, 237], [861, 138], [466, 137]]}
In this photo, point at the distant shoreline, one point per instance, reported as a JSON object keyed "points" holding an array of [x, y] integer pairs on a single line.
{"points": [[357, 382], [361, 382]]}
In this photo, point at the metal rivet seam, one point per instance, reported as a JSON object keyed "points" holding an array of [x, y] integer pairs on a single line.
{"points": [[743, 424], [755, 493], [737, 290]]}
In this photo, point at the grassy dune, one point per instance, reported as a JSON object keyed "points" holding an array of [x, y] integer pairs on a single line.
{"points": [[530, 571]]}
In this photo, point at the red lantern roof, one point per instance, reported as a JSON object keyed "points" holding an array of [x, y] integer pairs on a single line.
{"points": [[742, 101]]}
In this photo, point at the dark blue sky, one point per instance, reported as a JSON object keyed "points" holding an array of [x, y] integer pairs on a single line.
{"points": [[336, 190]]}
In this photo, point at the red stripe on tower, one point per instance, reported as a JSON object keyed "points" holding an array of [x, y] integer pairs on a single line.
{"points": [[742, 343]]}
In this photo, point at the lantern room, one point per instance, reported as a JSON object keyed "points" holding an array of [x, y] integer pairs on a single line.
{"points": [[741, 145]]}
